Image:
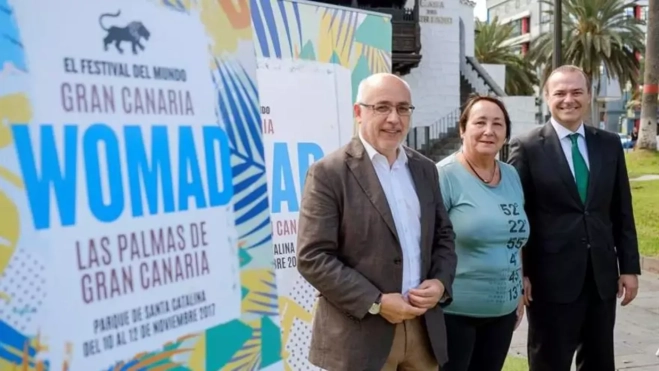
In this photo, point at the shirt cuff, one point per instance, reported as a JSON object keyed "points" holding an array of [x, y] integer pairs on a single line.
{"points": [[444, 298]]}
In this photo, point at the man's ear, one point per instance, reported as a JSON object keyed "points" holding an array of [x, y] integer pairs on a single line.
{"points": [[357, 111]]}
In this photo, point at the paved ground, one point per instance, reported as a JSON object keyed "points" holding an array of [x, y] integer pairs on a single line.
{"points": [[637, 330], [645, 177]]}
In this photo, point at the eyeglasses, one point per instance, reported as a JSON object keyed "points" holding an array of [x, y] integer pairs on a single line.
{"points": [[385, 109]]}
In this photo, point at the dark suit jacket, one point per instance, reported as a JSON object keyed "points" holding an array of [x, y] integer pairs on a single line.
{"points": [[564, 230], [348, 249]]}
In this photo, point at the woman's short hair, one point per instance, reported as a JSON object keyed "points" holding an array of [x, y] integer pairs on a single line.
{"points": [[475, 98]]}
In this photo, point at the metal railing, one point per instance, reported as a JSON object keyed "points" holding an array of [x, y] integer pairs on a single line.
{"points": [[487, 79], [428, 138], [423, 138], [418, 138], [445, 126]]}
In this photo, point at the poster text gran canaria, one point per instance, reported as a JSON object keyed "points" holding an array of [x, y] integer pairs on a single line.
{"points": [[137, 158]]}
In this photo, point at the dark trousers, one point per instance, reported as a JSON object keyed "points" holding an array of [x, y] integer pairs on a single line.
{"points": [[557, 330], [478, 344]]}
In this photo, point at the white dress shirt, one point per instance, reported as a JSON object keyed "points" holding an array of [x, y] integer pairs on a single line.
{"points": [[398, 186], [566, 143]]}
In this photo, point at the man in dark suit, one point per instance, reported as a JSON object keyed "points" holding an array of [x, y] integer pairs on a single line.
{"points": [[583, 249], [375, 240]]}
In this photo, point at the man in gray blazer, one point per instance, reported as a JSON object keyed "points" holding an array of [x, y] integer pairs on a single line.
{"points": [[375, 240]]}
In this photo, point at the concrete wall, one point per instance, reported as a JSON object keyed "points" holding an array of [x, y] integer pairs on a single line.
{"points": [[466, 13], [497, 72], [522, 114], [435, 83]]}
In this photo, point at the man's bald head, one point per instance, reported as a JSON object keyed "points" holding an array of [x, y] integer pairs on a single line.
{"points": [[383, 109], [380, 81]]}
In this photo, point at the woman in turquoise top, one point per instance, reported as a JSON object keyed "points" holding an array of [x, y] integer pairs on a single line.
{"points": [[485, 202]]}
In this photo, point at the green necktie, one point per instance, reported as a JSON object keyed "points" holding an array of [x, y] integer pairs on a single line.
{"points": [[580, 168]]}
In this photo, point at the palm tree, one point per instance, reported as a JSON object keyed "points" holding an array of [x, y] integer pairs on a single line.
{"points": [[491, 48], [647, 133], [598, 37]]}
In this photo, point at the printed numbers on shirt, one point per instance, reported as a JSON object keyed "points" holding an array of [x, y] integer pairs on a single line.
{"points": [[515, 242], [509, 209], [513, 258], [514, 292], [514, 276], [517, 226]]}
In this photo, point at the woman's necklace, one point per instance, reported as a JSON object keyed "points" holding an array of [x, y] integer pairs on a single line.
{"points": [[494, 171]]}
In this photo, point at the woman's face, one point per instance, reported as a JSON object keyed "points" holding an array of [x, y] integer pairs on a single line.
{"points": [[485, 131]]}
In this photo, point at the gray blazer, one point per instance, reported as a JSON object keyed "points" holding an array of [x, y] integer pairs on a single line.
{"points": [[348, 249]]}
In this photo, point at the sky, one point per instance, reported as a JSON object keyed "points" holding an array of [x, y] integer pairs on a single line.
{"points": [[480, 11]]}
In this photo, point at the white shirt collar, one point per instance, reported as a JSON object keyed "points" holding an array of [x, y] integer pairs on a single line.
{"points": [[563, 132], [372, 152]]}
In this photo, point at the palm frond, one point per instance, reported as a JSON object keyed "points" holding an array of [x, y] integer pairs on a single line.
{"points": [[10, 40], [274, 39], [596, 33], [239, 112], [492, 46]]}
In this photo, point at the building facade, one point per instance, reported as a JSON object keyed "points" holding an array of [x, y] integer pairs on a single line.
{"points": [[530, 20]]}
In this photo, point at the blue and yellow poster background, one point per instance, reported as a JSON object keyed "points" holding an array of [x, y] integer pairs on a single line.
{"points": [[333, 49], [250, 342]]}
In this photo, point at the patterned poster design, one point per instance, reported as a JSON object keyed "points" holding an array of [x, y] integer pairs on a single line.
{"points": [[311, 58], [136, 233]]}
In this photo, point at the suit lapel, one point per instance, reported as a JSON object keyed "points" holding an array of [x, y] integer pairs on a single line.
{"points": [[424, 194], [594, 148], [557, 160], [362, 168], [416, 169]]}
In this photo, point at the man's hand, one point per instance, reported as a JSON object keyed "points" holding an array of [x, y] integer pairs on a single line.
{"points": [[527, 292], [427, 295], [520, 311], [395, 309], [627, 285]]}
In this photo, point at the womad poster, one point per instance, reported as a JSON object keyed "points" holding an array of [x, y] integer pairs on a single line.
{"points": [[311, 59], [134, 234]]}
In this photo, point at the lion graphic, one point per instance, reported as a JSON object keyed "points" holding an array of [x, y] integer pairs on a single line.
{"points": [[132, 33]]}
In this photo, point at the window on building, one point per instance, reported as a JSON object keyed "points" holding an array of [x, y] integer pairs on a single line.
{"points": [[517, 28], [502, 10], [526, 21], [494, 12], [629, 12], [644, 13]]}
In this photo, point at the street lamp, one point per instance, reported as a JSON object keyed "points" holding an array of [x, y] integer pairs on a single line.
{"points": [[558, 34]]}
